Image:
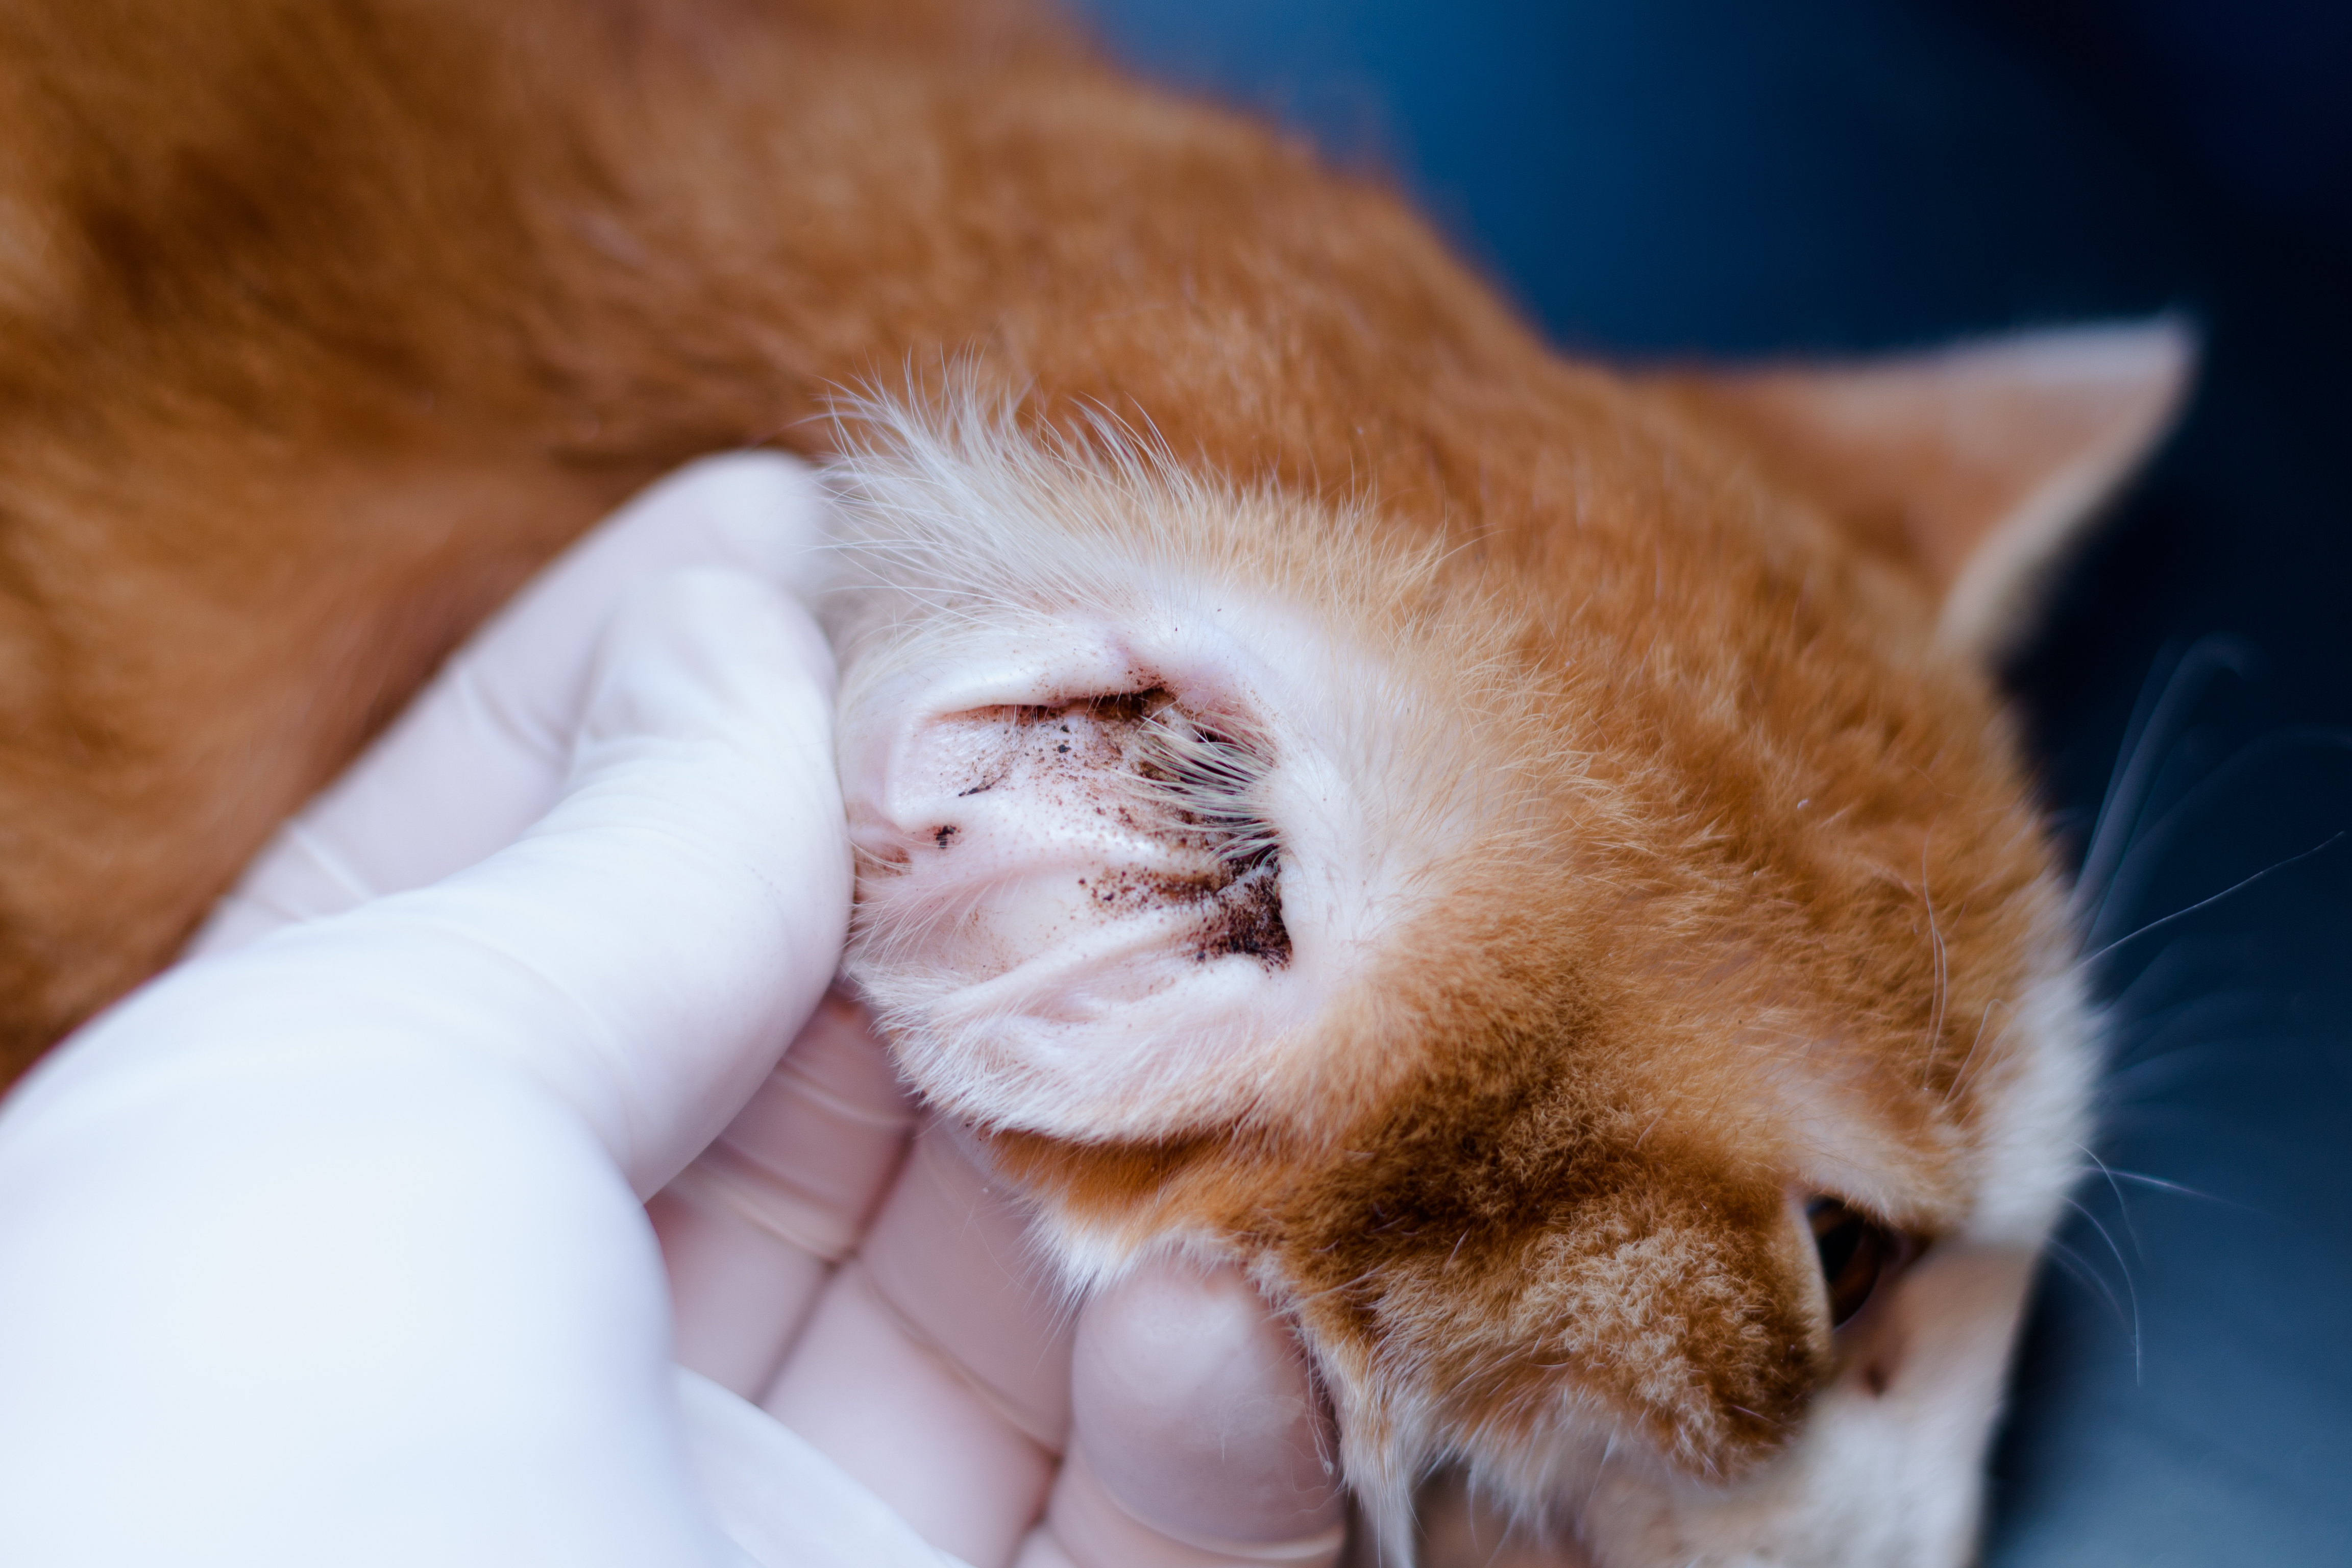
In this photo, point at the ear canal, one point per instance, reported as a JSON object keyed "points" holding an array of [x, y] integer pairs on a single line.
{"points": [[1975, 468]]}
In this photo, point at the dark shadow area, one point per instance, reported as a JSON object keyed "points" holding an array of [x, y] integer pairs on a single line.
{"points": [[1668, 177]]}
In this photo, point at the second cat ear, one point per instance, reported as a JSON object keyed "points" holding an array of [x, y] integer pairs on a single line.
{"points": [[1975, 468]]}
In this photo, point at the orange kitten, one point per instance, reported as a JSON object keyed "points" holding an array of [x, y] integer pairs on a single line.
{"points": [[1526, 858]]}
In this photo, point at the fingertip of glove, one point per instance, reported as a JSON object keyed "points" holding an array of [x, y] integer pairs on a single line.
{"points": [[766, 509], [726, 624]]}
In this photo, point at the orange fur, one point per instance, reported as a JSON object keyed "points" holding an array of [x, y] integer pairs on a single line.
{"points": [[321, 326]]}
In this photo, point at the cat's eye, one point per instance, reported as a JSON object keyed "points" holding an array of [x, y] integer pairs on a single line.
{"points": [[1856, 1253]]}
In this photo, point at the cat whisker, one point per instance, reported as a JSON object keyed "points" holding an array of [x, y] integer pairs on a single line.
{"points": [[2131, 1288], [2077, 1266], [2179, 1189], [1943, 977], [2236, 1014], [2188, 1063], [2239, 886], [1968, 1061], [2167, 1067], [2123, 1210], [2147, 742], [2146, 849], [2155, 1023]]}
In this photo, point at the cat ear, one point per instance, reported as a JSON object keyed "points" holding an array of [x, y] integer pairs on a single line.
{"points": [[1975, 468]]}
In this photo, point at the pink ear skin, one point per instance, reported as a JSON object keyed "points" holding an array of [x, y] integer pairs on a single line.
{"points": [[1062, 944], [1973, 469]]}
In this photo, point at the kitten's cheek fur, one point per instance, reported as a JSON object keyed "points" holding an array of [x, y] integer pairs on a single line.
{"points": [[1908, 1416], [1067, 935]]}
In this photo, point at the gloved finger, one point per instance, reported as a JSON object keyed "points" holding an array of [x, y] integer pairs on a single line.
{"points": [[1197, 1436], [700, 843], [782, 1503], [324, 1297], [936, 1370], [750, 1230], [367, 1285], [645, 951], [483, 751]]}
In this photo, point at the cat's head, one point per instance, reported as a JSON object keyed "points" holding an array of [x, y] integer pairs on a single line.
{"points": [[1607, 978]]}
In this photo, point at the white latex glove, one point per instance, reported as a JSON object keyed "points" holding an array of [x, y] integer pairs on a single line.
{"points": [[327, 1251]]}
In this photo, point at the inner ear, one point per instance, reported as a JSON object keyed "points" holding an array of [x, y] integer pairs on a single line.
{"points": [[1973, 467], [1075, 911]]}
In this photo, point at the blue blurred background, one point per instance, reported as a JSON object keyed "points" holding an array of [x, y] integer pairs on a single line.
{"points": [[1677, 177]]}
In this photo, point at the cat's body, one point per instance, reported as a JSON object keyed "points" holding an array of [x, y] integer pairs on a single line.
{"points": [[1485, 840]]}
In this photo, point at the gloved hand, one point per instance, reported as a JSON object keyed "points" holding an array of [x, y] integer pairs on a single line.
{"points": [[326, 1245]]}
